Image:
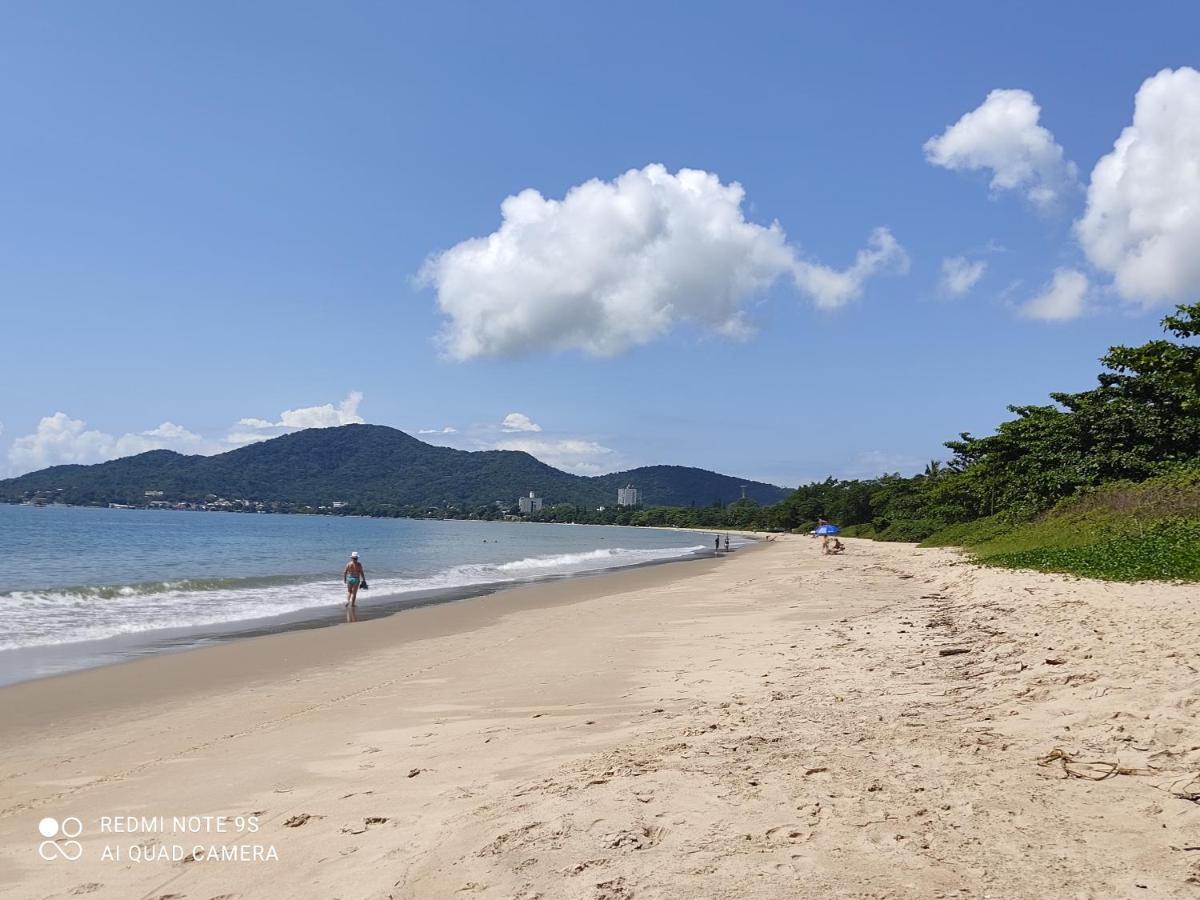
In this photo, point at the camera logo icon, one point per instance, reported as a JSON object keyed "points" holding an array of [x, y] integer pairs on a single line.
{"points": [[54, 847]]}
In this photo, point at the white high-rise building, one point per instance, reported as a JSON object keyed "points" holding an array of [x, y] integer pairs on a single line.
{"points": [[530, 504], [628, 496]]}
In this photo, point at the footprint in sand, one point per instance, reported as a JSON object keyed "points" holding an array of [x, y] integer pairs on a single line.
{"points": [[580, 867], [367, 823], [641, 838], [617, 889], [87, 887], [300, 819], [789, 834]]}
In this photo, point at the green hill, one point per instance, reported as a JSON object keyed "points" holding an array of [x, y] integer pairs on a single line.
{"points": [[370, 468]]}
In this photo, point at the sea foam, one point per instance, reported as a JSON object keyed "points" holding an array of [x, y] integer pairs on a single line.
{"points": [[95, 612]]}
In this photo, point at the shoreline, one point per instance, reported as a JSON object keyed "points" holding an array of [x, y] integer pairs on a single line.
{"points": [[292, 647], [891, 722], [34, 662]]}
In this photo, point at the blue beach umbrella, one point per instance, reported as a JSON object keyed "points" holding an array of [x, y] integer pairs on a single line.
{"points": [[827, 529]]}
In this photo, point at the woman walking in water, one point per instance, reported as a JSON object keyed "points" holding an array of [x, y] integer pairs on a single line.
{"points": [[354, 576]]}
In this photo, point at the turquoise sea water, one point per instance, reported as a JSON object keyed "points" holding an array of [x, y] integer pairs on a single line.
{"points": [[80, 586]]}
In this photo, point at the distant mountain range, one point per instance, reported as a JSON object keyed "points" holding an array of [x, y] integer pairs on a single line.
{"points": [[368, 468]]}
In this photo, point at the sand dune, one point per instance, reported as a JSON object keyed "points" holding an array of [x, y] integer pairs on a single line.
{"points": [[889, 723]]}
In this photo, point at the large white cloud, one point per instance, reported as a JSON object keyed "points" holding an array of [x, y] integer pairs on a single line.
{"points": [[1142, 222], [1063, 299], [1002, 136], [960, 274], [59, 440], [618, 263], [516, 421]]}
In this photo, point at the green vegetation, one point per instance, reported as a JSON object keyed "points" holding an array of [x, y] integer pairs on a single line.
{"points": [[1102, 483], [1121, 531]]}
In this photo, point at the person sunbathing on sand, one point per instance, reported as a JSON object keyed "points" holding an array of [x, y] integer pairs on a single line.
{"points": [[354, 576]]}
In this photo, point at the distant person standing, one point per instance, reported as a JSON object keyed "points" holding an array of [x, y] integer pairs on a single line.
{"points": [[726, 543], [354, 576], [716, 543]]}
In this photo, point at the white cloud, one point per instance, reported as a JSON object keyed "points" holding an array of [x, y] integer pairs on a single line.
{"points": [[830, 288], [1142, 222], [572, 452], [582, 457], [235, 439], [61, 440], [326, 415], [960, 274], [615, 264], [449, 429], [167, 436], [516, 421], [1003, 136], [1063, 299]]}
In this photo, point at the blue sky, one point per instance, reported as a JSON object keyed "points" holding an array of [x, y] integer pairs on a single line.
{"points": [[215, 214]]}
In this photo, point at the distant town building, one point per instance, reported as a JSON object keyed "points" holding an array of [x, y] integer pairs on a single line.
{"points": [[154, 493], [629, 496], [530, 504]]}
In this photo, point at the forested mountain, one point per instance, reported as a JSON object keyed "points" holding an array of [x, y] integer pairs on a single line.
{"points": [[370, 468]]}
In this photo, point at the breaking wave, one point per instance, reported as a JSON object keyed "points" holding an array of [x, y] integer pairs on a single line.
{"points": [[35, 618]]}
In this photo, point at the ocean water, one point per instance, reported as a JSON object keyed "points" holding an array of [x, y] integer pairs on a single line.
{"points": [[82, 587]]}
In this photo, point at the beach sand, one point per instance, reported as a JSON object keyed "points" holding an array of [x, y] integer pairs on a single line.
{"points": [[769, 724]]}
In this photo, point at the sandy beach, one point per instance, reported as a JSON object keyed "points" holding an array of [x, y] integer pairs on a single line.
{"points": [[893, 722]]}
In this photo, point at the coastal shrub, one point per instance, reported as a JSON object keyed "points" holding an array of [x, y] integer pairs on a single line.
{"points": [[1120, 531], [1163, 551], [969, 534], [866, 530], [908, 530]]}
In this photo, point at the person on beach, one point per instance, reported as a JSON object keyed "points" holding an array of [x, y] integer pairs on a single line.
{"points": [[354, 576], [717, 543], [726, 543]]}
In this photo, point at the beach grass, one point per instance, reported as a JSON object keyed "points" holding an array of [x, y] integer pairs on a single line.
{"points": [[1120, 532]]}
